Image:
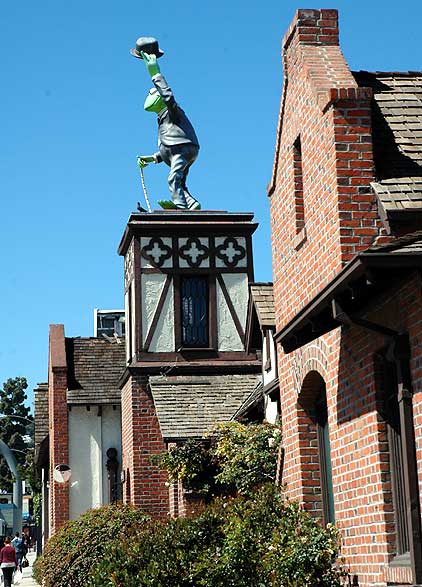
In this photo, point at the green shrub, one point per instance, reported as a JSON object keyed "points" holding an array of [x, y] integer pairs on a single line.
{"points": [[254, 541], [233, 458], [72, 554], [246, 454], [192, 464]]}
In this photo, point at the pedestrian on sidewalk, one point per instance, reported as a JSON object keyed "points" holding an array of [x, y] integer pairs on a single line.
{"points": [[8, 561], [20, 548]]}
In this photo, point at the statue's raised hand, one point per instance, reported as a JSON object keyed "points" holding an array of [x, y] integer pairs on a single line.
{"points": [[143, 160], [151, 63]]}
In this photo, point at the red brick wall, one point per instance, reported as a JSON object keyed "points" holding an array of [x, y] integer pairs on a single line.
{"points": [[58, 426], [359, 451], [322, 105], [145, 484]]}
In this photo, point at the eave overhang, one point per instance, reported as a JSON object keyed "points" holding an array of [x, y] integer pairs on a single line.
{"points": [[368, 275]]}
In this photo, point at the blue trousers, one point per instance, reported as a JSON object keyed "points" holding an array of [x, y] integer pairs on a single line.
{"points": [[179, 158]]}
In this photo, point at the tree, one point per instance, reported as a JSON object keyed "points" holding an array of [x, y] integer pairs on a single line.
{"points": [[12, 431]]}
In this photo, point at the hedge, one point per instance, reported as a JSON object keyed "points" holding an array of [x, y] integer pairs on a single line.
{"points": [[71, 555], [254, 541]]}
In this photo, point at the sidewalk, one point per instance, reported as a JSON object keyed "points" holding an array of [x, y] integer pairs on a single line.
{"points": [[27, 580]]}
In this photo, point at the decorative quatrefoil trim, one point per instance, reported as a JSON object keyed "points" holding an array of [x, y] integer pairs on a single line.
{"points": [[194, 252], [230, 252], [156, 252], [129, 262]]}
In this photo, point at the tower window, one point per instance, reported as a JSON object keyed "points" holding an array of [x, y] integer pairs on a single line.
{"points": [[194, 296]]}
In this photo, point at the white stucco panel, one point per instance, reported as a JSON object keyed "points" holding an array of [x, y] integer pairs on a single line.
{"points": [[163, 339], [128, 326], [85, 460], [271, 410], [237, 288], [133, 321], [271, 373], [151, 287], [155, 251]]}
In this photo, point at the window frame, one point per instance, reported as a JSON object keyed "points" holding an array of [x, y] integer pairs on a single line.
{"points": [[212, 312], [388, 407]]}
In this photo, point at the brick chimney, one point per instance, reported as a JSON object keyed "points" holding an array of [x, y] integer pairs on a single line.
{"points": [[313, 27], [58, 425], [322, 207]]}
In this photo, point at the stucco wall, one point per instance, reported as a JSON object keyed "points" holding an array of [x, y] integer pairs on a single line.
{"points": [[237, 288], [270, 374], [151, 288], [91, 433]]}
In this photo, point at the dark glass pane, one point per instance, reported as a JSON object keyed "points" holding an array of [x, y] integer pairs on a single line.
{"points": [[194, 297], [386, 379], [324, 457]]}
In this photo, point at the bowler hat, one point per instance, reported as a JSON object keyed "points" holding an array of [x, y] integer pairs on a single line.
{"points": [[146, 45]]}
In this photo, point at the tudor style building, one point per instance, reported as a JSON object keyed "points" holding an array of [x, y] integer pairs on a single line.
{"points": [[346, 200], [186, 296], [112, 402]]}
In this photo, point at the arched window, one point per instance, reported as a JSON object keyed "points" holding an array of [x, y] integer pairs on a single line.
{"points": [[314, 442]]}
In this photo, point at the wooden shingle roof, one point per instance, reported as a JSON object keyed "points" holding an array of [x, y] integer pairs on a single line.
{"points": [[397, 139], [263, 299], [189, 406], [95, 366]]}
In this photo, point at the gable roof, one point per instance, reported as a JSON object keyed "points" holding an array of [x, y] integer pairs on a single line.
{"points": [[189, 406], [369, 274], [396, 121], [263, 299], [397, 140], [95, 366]]}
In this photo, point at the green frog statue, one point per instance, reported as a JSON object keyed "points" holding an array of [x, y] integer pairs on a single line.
{"points": [[178, 144]]}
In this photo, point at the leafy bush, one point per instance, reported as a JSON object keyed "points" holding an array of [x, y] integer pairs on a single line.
{"points": [[246, 455], [192, 464], [72, 554], [233, 457], [255, 541]]}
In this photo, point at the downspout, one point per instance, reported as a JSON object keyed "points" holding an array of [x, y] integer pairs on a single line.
{"points": [[17, 485], [401, 353]]}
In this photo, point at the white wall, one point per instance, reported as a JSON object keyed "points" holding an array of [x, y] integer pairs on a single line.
{"points": [[90, 435], [237, 288], [269, 375], [151, 288], [271, 410]]}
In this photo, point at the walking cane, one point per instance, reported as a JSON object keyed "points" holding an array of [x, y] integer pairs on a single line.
{"points": [[145, 189]]}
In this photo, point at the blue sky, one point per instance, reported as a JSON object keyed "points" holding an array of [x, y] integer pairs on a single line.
{"points": [[71, 125]]}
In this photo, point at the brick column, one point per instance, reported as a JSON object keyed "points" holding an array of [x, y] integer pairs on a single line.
{"points": [[145, 485], [58, 425]]}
